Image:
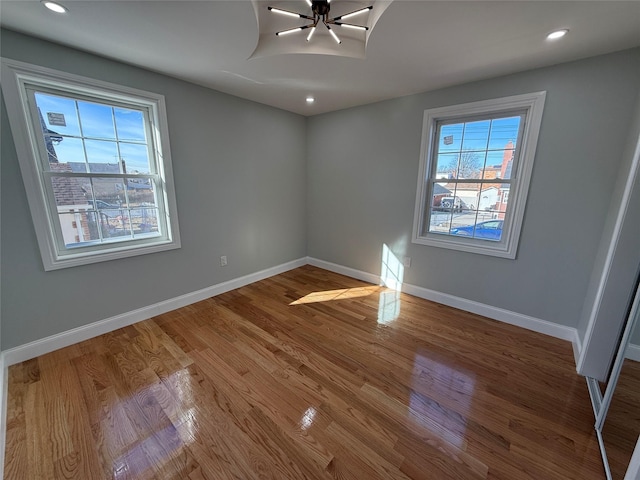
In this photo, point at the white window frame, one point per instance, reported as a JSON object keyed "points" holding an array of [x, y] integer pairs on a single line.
{"points": [[17, 78], [533, 105]]}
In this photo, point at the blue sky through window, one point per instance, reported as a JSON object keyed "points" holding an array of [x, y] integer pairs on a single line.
{"points": [[485, 140], [98, 124]]}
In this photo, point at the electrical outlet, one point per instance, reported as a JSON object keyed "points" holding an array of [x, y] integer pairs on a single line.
{"points": [[407, 262], [223, 260]]}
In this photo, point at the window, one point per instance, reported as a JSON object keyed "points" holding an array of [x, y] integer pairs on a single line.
{"points": [[475, 165], [96, 165]]}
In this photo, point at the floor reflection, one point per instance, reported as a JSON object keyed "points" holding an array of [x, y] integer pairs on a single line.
{"points": [[307, 419], [151, 453], [388, 306], [446, 382], [168, 433]]}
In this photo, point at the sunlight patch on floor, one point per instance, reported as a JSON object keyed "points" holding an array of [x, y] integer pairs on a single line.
{"points": [[342, 294]]}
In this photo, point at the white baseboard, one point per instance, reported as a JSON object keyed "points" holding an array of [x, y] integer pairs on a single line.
{"points": [[349, 272], [495, 313], [507, 316], [577, 347], [633, 352], [70, 337]]}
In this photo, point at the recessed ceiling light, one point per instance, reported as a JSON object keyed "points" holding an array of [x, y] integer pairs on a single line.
{"points": [[310, 99], [54, 7], [557, 34]]}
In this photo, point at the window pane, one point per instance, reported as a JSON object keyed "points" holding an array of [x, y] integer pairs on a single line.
{"points": [[78, 227], [116, 221], [465, 165], [135, 157], [102, 156], [144, 221], [488, 197], [483, 230], [503, 131], [476, 135], [447, 166], [65, 150], [130, 124], [439, 221], [468, 196], [502, 202], [109, 191], [458, 221], [69, 193], [438, 192], [138, 186], [493, 167], [96, 120], [85, 228], [141, 192], [500, 163], [57, 114], [506, 166], [470, 165], [450, 139]]}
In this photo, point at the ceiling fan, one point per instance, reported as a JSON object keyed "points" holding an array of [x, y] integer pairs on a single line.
{"points": [[320, 10]]}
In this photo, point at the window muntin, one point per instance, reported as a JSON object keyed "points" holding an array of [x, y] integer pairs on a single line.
{"points": [[475, 166], [96, 164]]}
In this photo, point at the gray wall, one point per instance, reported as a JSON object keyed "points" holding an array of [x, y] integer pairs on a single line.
{"points": [[362, 174], [611, 308], [264, 187], [240, 176]]}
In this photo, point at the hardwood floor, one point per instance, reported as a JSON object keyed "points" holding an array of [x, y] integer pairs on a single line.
{"points": [[307, 374]]}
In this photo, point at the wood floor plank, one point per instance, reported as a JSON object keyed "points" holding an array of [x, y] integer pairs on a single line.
{"points": [[16, 452], [305, 375], [271, 403]]}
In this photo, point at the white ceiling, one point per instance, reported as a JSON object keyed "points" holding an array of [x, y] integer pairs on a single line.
{"points": [[415, 46]]}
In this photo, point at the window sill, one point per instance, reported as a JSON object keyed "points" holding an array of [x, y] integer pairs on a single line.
{"points": [[74, 259], [502, 249]]}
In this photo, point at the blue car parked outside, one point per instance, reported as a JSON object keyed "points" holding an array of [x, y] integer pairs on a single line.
{"points": [[489, 230]]}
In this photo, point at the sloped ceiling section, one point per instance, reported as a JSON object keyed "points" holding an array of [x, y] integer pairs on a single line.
{"points": [[353, 42]]}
